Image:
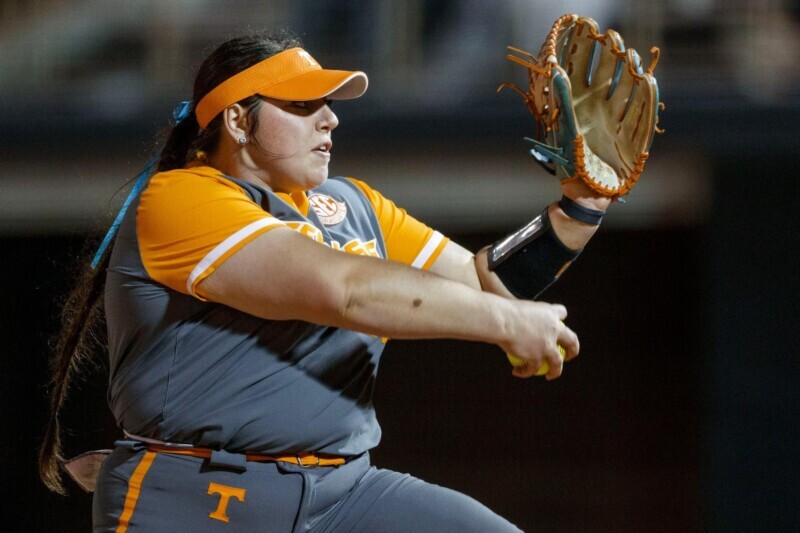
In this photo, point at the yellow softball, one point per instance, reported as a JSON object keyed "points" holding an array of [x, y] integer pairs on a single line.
{"points": [[517, 362]]}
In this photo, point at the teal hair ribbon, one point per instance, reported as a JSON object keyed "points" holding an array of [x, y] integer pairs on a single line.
{"points": [[180, 112]]}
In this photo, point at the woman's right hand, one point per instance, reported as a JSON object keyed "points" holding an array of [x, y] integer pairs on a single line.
{"points": [[535, 331]]}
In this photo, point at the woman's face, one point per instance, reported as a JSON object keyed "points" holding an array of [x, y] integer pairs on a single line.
{"points": [[291, 145]]}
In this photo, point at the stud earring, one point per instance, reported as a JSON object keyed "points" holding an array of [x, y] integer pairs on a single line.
{"points": [[242, 140]]}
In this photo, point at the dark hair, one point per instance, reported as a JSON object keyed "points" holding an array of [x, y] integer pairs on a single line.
{"points": [[233, 56], [82, 315]]}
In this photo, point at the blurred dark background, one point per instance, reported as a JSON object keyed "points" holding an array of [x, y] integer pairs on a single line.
{"points": [[682, 413]]}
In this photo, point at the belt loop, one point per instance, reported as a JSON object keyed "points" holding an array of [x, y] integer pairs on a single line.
{"points": [[228, 460], [132, 445]]}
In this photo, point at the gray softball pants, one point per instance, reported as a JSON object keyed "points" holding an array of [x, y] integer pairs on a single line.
{"points": [[139, 490]]}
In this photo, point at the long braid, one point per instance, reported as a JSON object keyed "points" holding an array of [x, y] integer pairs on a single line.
{"points": [[79, 319]]}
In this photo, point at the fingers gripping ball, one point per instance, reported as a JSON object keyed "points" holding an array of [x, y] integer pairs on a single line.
{"points": [[596, 107], [516, 362]]}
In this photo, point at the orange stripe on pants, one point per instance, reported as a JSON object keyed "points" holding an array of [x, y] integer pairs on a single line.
{"points": [[134, 487]]}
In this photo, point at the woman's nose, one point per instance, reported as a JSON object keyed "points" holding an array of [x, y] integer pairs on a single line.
{"points": [[328, 120]]}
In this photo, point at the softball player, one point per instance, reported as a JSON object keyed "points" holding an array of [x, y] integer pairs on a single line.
{"points": [[248, 297]]}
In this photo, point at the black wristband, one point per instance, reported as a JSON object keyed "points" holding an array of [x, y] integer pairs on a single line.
{"points": [[582, 214]]}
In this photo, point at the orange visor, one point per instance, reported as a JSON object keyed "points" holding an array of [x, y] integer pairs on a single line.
{"points": [[290, 75]]}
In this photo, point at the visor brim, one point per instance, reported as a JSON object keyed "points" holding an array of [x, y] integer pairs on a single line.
{"points": [[315, 84]]}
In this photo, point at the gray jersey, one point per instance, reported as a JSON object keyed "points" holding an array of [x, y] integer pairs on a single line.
{"points": [[184, 369]]}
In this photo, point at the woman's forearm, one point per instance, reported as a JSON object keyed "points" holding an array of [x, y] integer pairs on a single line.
{"points": [[393, 300]]}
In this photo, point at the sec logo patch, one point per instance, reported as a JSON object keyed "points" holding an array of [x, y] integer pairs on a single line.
{"points": [[329, 210]]}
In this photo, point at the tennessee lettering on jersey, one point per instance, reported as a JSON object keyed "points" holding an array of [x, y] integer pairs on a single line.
{"points": [[354, 246], [357, 247]]}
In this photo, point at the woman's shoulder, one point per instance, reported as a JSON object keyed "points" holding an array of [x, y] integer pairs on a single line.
{"points": [[193, 186], [193, 178]]}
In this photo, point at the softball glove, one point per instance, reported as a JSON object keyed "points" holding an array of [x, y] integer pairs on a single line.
{"points": [[596, 108]]}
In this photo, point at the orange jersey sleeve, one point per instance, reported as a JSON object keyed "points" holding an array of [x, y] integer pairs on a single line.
{"points": [[189, 221], [407, 240]]}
